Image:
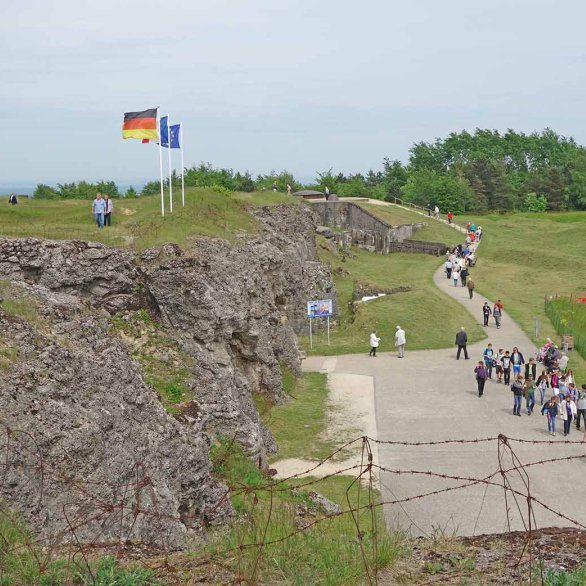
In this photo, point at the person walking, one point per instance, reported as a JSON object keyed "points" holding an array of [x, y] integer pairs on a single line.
{"points": [[531, 369], [497, 314], [529, 392], [461, 341], [543, 385], [498, 364], [456, 277], [481, 376], [108, 211], [450, 217], [374, 341], [463, 273], [12, 199], [517, 388], [470, 284], [436, 212], [506, 362], [517, 361], [550, 409], [274, 186], [400, 339], [98, 208], [488, 356], [327, 193], [486, 313], [568, 412], [581, 407], [289, 189], [448, 266]]}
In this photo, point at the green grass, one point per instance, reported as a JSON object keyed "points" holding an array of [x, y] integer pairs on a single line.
{"points": [[304, 415], [326, 554], [14, 301], [137, 222], [433, 231], [569, 317], [429, 317], [523, 258], [23, 563], [565, 578]]}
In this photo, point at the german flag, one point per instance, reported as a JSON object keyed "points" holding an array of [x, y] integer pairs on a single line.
{"points": [[140, 125]]}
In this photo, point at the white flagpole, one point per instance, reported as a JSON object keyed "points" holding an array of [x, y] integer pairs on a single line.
{"points": [[161, 164], [170, 178], [182, 165]]}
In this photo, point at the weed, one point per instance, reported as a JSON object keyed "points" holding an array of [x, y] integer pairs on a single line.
{"points": [[433, 567]]}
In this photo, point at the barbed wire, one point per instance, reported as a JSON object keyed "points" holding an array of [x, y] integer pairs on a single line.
{"points": [[109, 513]]}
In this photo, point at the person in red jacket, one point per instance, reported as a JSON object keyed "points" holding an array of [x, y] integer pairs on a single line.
{"points": [[450, 216]]}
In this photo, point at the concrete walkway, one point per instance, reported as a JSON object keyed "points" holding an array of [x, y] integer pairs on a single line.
{"points": [[429, 396]]}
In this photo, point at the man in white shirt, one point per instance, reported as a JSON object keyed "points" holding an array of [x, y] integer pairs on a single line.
{"points": [[374, 340], [400, 340]]}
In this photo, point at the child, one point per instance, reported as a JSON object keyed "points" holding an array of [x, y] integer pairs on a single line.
{"points": [[550, 409]]}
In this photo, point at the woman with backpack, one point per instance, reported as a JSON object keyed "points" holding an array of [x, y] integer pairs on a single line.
{"points": [[550, 410]]}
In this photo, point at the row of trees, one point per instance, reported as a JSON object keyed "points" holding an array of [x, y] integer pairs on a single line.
{"points": [[481, 171]]}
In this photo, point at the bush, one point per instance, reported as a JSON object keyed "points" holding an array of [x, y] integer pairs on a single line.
{"points": [[535, 203]]}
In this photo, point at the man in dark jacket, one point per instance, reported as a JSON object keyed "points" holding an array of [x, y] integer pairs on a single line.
{"points": [[461, 341], [486, 312], [517, 388]]}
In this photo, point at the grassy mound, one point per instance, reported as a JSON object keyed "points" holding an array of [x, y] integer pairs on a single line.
{"points": [[137, 223]]}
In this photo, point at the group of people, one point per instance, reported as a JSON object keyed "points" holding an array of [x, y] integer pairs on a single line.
{"points": [[400, 341], [565, 401], [458, 261], [102, 210]]}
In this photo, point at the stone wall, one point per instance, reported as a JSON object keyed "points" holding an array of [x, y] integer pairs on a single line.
{"points": [[419, 246], [361, 227], [232, 310]]}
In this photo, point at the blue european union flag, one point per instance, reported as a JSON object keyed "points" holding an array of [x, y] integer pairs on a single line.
{"points": [[175, 131], [164, 131]]}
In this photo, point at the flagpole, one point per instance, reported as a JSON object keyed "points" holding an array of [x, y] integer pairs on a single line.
{"points": [[161, 165], [182, 166], [170, 178]]}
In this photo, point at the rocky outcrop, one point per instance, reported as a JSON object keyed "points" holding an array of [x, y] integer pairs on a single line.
{"points": [[88, 451], [233, 310]]}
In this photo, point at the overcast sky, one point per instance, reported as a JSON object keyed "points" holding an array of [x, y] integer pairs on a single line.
{"points": [[277, 84]]}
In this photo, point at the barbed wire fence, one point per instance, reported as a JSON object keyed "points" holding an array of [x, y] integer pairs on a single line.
{"points": [[96, 515]]}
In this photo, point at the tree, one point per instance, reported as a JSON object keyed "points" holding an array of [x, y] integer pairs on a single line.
{"points": [[394, 177], [447, 191], [131, 192], [43, 191]]}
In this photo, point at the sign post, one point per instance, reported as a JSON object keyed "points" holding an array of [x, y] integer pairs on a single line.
{"points": [[319, 308]]}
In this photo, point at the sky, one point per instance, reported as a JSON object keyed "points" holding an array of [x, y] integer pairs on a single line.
{"points": [[261, 85]]}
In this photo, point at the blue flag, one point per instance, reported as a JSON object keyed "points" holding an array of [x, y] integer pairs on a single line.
{"points": [[175, 131], [164, 131]]}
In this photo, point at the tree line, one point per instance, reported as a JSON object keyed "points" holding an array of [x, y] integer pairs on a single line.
{"points": [[481, 171]]}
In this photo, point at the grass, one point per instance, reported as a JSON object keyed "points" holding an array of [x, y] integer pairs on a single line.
{"points": [[327, 553], [525, 257], [15, 302], [305, 415], [23, 563], [137, 222], [569, 317], [433, 231], [430, 318], [565, 578]]}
